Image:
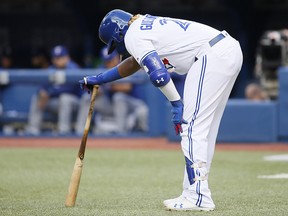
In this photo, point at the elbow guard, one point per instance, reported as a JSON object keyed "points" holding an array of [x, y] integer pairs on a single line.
{"points": [[159, 77], [156, 70]]}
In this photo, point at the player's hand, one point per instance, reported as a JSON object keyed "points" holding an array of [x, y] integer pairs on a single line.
{"points": [[88, 82], [177, 118]]}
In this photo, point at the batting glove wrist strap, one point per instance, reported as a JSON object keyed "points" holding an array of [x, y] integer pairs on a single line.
{"points": [[89, 81], [109, 76], [177, 118]]}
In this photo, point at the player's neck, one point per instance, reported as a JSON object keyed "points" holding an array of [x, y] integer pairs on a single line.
{"points": [[135, 17]]}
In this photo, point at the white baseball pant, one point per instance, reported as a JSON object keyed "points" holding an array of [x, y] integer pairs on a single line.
{"points": [[207, 88]]}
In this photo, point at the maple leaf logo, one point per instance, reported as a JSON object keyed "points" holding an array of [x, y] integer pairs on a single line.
{"points": [[170, 68]]}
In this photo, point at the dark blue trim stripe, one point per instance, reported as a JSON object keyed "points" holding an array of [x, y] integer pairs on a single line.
{"points": [[216, 39], [198, 190], [199, 94], [199, 199], [152, 51]]}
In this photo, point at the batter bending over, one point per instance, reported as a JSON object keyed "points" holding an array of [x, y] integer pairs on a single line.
{"points": [[212, 60]]}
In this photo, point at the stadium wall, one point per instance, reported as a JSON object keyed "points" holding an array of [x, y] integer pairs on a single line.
{"points": [[243, 121]]}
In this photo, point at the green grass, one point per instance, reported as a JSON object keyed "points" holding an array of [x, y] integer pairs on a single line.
{"points": [[134, 182]]}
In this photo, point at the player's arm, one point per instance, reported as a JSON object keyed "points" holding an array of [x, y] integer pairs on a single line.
{"points": [[126, 68], [161, 79]]}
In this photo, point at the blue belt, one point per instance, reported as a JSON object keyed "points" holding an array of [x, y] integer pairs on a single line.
{"points": [[216, 39], [213, 41]]}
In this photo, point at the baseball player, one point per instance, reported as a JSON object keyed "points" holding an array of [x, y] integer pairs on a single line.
{"points": [[62, 99], [211, 59]]}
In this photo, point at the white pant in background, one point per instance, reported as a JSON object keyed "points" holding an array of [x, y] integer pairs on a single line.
{"points": [[121, 114], [102, 106], [129, 113], [63, 106]]}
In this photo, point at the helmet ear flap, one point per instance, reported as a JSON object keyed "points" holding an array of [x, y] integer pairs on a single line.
{"points": [[116, 40], [121, 35], [111, 47]]}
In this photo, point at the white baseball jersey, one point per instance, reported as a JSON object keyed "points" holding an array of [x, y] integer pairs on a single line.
{"points": [[175, 40]]}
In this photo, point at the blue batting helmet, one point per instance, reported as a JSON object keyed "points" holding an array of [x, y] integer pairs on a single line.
{"points": [[113, 29]]}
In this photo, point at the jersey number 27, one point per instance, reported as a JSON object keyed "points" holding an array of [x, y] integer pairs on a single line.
{"points": [[183, 25]]}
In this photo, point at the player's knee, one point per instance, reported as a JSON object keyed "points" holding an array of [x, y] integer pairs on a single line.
{"points": [[118, 97], [68, 102], [65, 98], [142, 111]]}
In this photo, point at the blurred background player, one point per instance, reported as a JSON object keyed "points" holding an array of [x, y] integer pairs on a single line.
{"points": [[117, 109], [59, 99], [40, 58], [130, 112], [6, 63], [6, 59], [255, 92], [103, 108]]}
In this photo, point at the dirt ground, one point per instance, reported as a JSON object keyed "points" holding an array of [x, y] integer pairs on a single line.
{"points": [[131, 143]]}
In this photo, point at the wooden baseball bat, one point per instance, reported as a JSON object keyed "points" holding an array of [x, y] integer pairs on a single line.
{"points": [[77, 170]]}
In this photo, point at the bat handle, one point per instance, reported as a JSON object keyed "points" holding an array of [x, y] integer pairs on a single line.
{"points": [[81, 152]]}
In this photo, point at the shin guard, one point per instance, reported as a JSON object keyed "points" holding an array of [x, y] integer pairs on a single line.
{"points": [[190, 171]]}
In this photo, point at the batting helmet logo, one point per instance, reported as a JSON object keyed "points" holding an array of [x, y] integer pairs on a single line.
{"points": [[121, 23]]}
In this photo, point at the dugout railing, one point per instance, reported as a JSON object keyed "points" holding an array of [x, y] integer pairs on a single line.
{"points": [[243, 121], [18, 86]]}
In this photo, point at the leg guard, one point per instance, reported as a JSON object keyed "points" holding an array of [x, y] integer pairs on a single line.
{"points": [[190, 171], [195, 171], [196, 188]]}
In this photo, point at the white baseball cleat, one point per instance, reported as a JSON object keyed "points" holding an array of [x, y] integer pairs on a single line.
{"points": [[182, 204]]}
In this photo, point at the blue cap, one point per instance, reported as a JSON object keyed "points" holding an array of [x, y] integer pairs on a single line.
{"points": [[59, 51], [107, 57]]}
